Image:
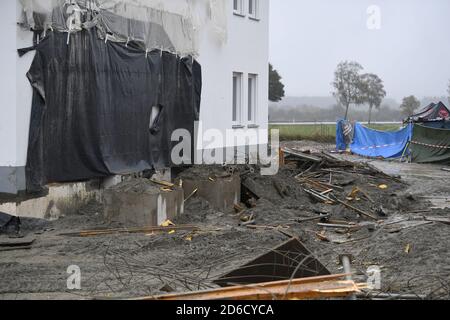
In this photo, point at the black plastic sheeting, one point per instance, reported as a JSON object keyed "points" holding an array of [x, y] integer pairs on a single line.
{"points": [[9, 224], [92, 105]]}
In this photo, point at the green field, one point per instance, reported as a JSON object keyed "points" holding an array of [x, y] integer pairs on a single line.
{"points": [[319, 132]]}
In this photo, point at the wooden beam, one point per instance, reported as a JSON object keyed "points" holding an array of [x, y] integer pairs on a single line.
{"points": [[305, 288], [92, 233], [302, 155]]}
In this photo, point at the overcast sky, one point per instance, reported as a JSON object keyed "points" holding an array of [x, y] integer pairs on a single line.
{"points": [[410, 52]]}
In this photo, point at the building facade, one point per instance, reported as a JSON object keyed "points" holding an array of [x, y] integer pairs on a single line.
{"points": [[231, 44]]}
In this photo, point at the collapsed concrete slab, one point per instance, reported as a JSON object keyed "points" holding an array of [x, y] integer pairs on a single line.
{"points": [[141, 202]]}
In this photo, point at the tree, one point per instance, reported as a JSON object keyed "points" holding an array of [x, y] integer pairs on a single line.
{"points": [[409, 105], [347, 84], [276, 87], [372, 91]]}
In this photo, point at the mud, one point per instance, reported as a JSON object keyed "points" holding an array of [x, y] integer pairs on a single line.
{"points": [[414, 260]]}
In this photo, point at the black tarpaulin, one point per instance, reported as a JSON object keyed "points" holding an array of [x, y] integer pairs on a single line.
{"points": [[92, 108], [430, 145], [434, 111]]}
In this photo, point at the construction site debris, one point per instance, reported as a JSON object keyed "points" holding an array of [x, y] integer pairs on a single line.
{"points": [[141, 263], [306, 288], [287, 261]]}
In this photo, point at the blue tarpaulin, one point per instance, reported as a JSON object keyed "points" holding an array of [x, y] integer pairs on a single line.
{"points": [[344, 134], [385, 144], [340, 141]]}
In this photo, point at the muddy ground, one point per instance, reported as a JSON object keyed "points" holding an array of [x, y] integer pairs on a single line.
{"points": [[414, 260]]}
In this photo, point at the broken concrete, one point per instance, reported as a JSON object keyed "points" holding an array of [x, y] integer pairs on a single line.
{"points": [[141, 202], [62, 199], [221, 189]]}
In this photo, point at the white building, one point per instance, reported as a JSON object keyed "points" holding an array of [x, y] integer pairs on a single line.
{"points": [[231, 42]]}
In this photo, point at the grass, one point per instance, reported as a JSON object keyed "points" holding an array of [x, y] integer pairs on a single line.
{"points": [[319, 132]]}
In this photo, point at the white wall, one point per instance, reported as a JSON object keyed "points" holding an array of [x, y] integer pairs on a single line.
{"points": [[15, 89], [24, 92], [246, 51], [8, 85]]}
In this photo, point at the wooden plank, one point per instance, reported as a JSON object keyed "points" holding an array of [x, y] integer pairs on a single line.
{"points": [[17, 242], [301, 220], [338, 226], [15, 248], [356, 209], [409, 226], [302, 155], [305, 288], [435, 219], [163, 183], [92, 233]]}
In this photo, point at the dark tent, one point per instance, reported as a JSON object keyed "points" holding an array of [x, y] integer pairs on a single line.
{"points": [[432, 112], [430, 145]]}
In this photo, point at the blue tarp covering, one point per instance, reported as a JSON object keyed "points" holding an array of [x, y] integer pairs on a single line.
{"points": [[373, 143], [340, 141]]}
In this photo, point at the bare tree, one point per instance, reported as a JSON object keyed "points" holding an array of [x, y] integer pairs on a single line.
{"points": [[409, 105], [347, 84], [372, 91]]}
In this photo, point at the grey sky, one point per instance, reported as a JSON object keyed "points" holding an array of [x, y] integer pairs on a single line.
{"points": [[411, 51]]}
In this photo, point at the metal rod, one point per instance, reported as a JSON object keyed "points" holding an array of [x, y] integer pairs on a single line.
{"points": [[345, 260]]}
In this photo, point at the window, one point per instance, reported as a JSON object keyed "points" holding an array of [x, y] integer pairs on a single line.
{"points": [[238, 7], [237, 98], [253, 9], [252, 97]]}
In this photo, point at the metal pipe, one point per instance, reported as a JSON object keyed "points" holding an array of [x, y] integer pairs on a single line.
{"points": [[346, 263]]}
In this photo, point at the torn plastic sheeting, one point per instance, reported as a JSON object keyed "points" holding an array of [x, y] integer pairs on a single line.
{"points": [[155, 28], [92, 106], [144, 21], [9, 223], [151, 35]]}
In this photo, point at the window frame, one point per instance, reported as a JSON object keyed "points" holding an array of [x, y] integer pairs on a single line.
{"points": [[237, 99], [239, 11], [255, 14], [252, 98]]}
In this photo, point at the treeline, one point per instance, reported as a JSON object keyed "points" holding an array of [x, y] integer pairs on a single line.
{"points": [[309, 113], [322, 109]]}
